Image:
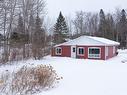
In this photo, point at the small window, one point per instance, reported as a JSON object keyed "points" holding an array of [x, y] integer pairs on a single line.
{"points": [[94, 53], [58, 51], [80, 51], [73, 49]]}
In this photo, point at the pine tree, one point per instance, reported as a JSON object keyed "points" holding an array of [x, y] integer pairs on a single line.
{"points": [[102, 24], [38, 39], [61, 32], [123, 29], [110, 27]]}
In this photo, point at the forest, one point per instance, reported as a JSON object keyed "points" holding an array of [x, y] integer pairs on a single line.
{"points": [[25, 31]]}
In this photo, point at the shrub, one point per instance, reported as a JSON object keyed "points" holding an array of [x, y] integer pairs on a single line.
{"points": [[29, 80]]}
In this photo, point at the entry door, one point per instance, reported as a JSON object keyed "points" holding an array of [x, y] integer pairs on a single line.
{"points": [[73, 51], [106, 52]]}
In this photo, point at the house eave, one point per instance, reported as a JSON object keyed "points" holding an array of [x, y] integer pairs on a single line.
{"points": [[87, 45]]}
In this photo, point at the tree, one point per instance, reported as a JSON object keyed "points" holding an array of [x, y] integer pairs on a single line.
{"points": [[79, 23], [10, 24], [19, 37], [38, 42], [61, 32], [70, 26], [110, 27], [4, 15], [91, 23], [85, 23], [122, 29], [22, 37], [20, 25], [117, 17], [102, 24]]}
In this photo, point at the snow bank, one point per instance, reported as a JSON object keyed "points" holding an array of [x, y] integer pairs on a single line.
{"points": [[84, 76]]}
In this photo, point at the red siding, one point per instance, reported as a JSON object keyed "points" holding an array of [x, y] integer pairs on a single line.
{"points": [[110, 52], [66, 52], [86, 52], [102, 52]]}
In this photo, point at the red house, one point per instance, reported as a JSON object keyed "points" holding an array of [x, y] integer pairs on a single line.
{"points": [[87, 47]]}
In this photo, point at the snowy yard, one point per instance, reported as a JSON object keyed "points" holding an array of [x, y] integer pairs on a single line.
{"points": [[83, 76]]}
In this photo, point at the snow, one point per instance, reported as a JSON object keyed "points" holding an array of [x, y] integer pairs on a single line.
{"points": [[105, 41], [89, 40], [84, 76]]}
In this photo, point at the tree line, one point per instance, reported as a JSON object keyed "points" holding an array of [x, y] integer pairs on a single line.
{"points": [[107, 25], [24, 33]]}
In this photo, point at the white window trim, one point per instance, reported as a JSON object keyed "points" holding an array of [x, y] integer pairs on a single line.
{"points": [[94, 48], [57, 49], [78, 51]]}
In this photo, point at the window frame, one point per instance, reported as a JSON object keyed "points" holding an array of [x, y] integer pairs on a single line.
{"points": [[57, 49], [78, 51], [74, 49], [94, 54]]}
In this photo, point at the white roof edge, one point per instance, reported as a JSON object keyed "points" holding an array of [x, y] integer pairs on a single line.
{"points": [[87, 45]]}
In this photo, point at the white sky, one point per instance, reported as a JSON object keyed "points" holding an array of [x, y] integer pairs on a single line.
{"points": [[68, 7]]}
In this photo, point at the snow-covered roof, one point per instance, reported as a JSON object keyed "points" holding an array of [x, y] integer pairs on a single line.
{"points": [[90, 41]]}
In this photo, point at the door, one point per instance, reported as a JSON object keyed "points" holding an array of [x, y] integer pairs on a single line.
{"points": [[73, 51], [106, 52]]}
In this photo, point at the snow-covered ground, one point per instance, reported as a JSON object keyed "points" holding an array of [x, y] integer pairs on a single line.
{"points": [[83, 76]]}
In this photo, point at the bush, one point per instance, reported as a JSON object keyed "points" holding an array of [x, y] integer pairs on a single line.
{"points": [[29, 80]]}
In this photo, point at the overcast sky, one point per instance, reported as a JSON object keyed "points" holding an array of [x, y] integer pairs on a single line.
{"points": [[68, 7]]}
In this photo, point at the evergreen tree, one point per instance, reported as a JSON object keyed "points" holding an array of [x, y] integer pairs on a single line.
{"points": [[61, 32], [106, 26], [102, 24], [122, 24], [123, 29], [38, 39], [110, 27]]}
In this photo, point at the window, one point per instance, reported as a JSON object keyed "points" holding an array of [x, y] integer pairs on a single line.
{"points": [[80, 50], [94, 52], [58, 51], [74, 49]]}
